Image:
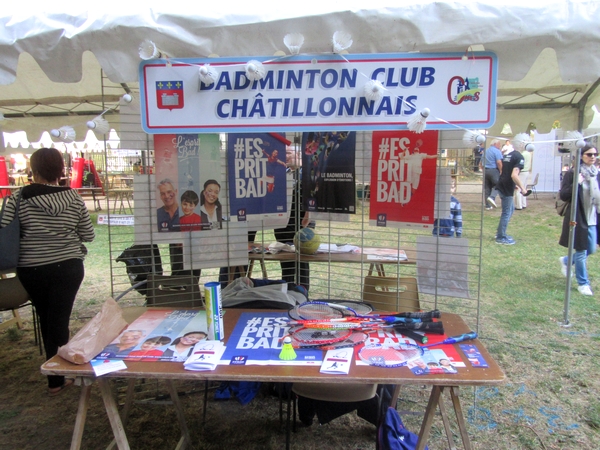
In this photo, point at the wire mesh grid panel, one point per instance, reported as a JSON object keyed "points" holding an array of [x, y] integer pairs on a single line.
{"points": [[425, 261]]}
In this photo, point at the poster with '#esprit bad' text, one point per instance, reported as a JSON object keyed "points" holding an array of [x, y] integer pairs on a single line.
{"points": [[403, 174], [257, 180], [188, 184]]}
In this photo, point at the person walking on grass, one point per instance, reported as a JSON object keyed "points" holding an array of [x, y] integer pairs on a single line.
{"points": [[588, 199], [509, 180], [492, 160]]}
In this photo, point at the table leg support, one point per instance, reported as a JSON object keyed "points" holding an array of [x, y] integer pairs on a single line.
{"points": [[113, 414], [185, 434], [82, 409], [429, 415], [459, 417]]}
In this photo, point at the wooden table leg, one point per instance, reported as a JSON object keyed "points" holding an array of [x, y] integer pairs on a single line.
{"points": [[429, 415], [459, 417], [82, 409], [113, 414], [446, 422], [126, 408], [185, 434]]}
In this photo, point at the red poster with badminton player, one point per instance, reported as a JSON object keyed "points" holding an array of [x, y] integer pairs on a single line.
{"points": [[442, 359], [403, 175]]}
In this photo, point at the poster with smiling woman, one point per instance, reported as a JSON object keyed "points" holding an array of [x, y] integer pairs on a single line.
{"points": [[188, 182]]}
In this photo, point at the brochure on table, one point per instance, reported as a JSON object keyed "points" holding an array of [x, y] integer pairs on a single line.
{"points": [[257, 340]]}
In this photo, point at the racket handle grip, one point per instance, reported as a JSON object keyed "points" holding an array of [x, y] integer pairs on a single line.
{"points": [[435, 314], [417, 337], [427, 327], [460, 338]]}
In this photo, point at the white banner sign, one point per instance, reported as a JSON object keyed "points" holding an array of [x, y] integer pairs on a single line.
{"points": [[319, 93]]}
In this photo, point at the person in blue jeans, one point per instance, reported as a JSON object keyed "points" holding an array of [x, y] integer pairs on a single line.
{"points": [[512, 164], [588, 199]]}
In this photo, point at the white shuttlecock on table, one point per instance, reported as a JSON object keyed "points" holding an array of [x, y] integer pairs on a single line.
{"points": [[255, 70], [341, 41], [373, 90], [208, 74], [418, 121], [64, 134], [293, 41]]}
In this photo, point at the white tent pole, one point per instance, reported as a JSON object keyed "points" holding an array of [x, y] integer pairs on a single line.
{"points": [[565, 322]]}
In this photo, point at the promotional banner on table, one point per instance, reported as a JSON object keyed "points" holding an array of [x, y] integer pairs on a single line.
{"points": [[257, 175], [403, 177], [328, 171], [318, 92], [188, 181]]}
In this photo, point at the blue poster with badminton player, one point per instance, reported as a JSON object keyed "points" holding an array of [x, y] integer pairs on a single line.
{"points": [[257, 339], [328, 171], [403, 177], [257, 181]]}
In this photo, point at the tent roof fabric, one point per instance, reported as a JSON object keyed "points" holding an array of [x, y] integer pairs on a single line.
{"points": [[51, 61]]}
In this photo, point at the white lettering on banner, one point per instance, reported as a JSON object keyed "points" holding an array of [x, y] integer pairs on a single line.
{"points": [[250, 168], [318, 92]]}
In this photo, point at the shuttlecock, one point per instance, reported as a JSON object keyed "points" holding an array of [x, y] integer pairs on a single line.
{"points": [[255, 70], [573, 140], [293, 41], [341, 41], [418, 121], [471, 138], [208, 74], [149, 50], [287, 352], [127, 98], [64, 134], [520, 141], [99, 125], [373, 90]]}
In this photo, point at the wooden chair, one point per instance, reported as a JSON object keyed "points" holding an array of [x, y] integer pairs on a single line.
{"points": [[533, 185], [392, 294]]}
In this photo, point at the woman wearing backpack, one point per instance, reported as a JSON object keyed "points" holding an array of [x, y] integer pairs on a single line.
{"points": [[588, 201]]}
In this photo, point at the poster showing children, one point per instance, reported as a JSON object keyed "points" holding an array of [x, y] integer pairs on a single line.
{"points": [[257, 181], [187, 182], [328, 172], [403, 174]]}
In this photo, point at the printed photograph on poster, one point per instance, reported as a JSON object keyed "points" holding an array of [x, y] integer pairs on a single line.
{"points": [[187, 182], [328, 171], [256, 165], [160, 335], [403, 178]]}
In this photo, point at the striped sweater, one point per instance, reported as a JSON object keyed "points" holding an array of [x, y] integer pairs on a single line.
{"points": [[54, 224]]}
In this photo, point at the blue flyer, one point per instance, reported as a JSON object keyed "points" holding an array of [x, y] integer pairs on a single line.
{"points": [[257, 339]]}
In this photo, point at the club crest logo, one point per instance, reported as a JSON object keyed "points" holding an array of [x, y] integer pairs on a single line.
{"points": [[169, 95], [238, 360], [464, 90]]}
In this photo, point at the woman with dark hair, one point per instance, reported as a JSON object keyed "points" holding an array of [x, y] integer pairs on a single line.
{"points": [[54, 224], [588, 201], [182, 347], [211, 210]]}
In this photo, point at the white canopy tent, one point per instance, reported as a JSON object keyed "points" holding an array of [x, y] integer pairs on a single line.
{"points": [[65, 68]]}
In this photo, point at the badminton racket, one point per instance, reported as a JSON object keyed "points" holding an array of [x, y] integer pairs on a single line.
{"points": [[396, 355], [313, 336], [454, 339], [355, 338], [322, 310]]}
